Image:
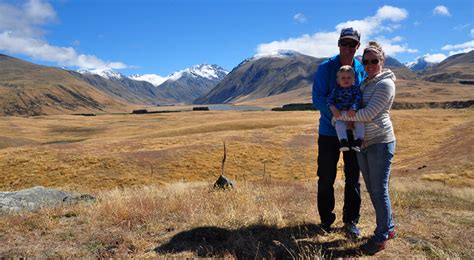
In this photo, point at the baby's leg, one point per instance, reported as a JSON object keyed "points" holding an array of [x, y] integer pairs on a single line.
{"points": [[359, 130], [341, 129]]}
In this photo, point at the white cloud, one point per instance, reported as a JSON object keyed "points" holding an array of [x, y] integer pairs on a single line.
{"points": [[459, 48], [21, 33], [300, 18], [441, 10], [324, 44], [434, 58], [449, 47]]}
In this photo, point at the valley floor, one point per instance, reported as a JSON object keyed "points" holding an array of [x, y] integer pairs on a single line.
{"points": [[152, 174]]}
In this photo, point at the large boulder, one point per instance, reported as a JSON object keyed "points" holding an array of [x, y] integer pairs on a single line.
{"points": [[38, 197]]}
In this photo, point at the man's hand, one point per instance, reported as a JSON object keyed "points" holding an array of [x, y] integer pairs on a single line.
{"points": [[351, 113]]}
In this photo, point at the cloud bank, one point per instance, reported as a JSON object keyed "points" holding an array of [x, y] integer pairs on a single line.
{"points": [[459, 48], [21, 33], [324, 44]]}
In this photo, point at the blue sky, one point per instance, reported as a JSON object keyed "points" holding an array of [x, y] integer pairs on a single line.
{"points": [[160, 37]]}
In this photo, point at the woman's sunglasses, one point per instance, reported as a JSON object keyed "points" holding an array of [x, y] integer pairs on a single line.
{"points": [[350, 44], [374, 61]]}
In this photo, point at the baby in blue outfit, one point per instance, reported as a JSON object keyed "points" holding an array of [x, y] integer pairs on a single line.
{"points": [[346, 97]]}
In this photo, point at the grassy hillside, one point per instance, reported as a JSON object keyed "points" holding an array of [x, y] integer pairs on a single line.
{"points": [[152, 175]]}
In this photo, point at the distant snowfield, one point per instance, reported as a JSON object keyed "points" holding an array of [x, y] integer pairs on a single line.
{"points": [[154, 79]]}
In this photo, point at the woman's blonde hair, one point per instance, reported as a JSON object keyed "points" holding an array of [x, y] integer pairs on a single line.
{"points": [[376, 49]]}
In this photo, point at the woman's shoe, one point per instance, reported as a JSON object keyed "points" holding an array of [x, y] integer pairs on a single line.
{"points": [[372, 247]]}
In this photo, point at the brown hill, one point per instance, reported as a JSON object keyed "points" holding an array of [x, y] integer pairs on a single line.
{"points": [[264, 77], [456, 68], [27, 89]]}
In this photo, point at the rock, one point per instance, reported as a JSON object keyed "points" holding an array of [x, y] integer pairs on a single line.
{"points": [[421, 244], [223, 183], [37, 197], [79, 198]]}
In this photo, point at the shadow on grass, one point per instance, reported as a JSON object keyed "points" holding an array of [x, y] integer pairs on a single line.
{"points": [[259, 241]]}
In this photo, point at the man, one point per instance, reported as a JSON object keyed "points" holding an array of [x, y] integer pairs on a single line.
{"points": [[328, 143]]}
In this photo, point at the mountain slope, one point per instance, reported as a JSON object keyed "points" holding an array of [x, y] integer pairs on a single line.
{"points": [[129, 90], [187, 85], [400, 70], [262, 77], [27, 89], [456, 68]]}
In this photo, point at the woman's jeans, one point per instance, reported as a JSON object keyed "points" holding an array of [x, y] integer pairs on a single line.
{"points": [[375, 163]]}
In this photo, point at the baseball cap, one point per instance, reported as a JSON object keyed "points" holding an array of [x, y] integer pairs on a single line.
{"points": [[350, 33]]}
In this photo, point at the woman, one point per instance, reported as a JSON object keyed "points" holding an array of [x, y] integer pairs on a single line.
{"points": [[375, 158]]}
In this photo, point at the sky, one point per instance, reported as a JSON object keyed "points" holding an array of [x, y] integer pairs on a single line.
{"points": [[164, 36]]}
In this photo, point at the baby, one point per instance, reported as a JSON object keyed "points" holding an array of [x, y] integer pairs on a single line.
{"points": [[346, 97]]}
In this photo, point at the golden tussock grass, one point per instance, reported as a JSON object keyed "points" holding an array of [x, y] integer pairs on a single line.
{"points": [[257, 219], [108, 151]]}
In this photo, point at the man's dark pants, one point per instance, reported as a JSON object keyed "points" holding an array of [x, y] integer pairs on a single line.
{"points": [[328, 156]]}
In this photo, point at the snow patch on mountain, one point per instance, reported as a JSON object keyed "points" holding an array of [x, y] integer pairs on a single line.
{"points": [[154, 79], [105, 73], [203, 71], [276, 54]]}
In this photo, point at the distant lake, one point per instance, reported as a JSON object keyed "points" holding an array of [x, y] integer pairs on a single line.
{"points": [[232, 107]]}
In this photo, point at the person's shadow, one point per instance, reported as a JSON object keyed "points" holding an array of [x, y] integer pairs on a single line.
{"points": [[259, 241]]}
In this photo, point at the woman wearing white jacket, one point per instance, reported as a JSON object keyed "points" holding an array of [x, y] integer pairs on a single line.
{"points": [[375, 158]]}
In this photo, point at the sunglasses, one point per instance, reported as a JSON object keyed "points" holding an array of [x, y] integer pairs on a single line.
{"points": [[350, 44], [374, 61]]}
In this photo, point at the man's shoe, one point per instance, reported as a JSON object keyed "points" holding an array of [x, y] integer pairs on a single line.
{"points": [[357, 145], [372, 247], [352, 230], [325, 227], [344, 145]]}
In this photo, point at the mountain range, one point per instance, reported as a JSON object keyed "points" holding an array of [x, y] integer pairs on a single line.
{"points": [[187, 85], [29, 89]]}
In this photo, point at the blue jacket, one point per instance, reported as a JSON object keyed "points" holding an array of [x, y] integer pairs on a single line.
{"points": [[324, 83], [345, 99]]}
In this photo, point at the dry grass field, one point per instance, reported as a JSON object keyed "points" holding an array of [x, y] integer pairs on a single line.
{"points": [[152, 174]]}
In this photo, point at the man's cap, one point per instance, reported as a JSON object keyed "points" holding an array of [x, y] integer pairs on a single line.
{"points": [[350, 33]]}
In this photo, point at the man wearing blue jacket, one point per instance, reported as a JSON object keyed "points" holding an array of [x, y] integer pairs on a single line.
{"points": [[328, 143]]}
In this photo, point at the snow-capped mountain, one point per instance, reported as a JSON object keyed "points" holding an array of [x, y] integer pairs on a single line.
{"points": [[191, 83], [424, 62], [154, 79], [205, 71], [276, 54], [105, 73]]}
